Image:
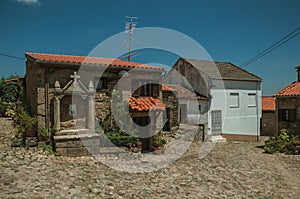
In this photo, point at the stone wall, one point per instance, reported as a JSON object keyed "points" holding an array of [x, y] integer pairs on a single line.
{"points": [[268, 123], [38, 76], [184, 73], [102, 107], [171, 102], [289, 103]]}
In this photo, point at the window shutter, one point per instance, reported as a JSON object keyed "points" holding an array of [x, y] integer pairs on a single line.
{"points": [[135, 88], [293, 115], [280, 113], [155, 90]]}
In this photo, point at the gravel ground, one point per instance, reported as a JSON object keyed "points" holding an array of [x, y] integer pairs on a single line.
{"points": [[230, 170]]}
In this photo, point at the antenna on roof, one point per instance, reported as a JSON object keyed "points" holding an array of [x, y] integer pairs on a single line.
{"points": [[129, 27]]}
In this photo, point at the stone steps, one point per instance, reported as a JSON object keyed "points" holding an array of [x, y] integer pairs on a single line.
{"points": [[76, 143], [72, 132]]}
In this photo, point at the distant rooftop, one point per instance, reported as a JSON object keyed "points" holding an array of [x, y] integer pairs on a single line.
{"points": [[291, 90], [268, 103]]}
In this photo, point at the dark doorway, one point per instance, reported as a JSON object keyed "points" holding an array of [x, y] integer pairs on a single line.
{"points": [[166, 117], [146, 142]]}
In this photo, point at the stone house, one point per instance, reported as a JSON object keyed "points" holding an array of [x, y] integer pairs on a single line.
{"points": [[183, 105], [268, 120], [70, 94], [288, 107], [233, 106]]}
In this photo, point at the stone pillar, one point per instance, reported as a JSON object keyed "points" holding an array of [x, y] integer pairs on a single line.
{"points": [[56, 113], [91, 107], [91, 113]]}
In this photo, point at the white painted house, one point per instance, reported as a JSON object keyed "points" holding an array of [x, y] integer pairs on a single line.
{"points": [[234, 97]]}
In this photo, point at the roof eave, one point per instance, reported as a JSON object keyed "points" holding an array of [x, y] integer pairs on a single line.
{"points": [[159, 70], [231, 79]]}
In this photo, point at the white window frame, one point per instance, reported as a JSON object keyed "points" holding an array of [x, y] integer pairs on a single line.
{"points": [[250, 104], [236, 98]]}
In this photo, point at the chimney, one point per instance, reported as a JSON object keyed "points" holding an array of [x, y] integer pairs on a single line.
{"points": [[298, 73]]}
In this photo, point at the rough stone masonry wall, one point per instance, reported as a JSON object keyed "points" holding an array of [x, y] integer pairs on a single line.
{"points": [[289, 103], [102, 107], [35, 91], [268, 123], [31, 86], [170, 100]]}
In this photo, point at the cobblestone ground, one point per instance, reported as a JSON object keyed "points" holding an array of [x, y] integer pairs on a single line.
{"points": [[231, 170]]}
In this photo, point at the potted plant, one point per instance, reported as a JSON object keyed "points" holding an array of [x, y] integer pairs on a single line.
{"points": [[28, 123], [158, 144], [44, 134]]}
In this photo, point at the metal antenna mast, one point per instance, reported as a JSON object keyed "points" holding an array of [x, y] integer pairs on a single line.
{"points": [[129, 27]]}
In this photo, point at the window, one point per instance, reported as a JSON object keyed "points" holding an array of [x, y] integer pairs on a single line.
{"points": [[287, 115], [145, 88], [102, 83], [251, 100], [234, 100]]}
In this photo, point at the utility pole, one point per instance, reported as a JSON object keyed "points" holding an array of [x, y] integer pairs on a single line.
{"points": [[129, 27]]}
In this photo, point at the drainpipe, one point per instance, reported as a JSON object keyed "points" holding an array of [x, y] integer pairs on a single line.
{"points": [[276, 115], [257, 117]]}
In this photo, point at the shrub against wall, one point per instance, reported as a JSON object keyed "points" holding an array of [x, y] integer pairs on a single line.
{"points": [[10, 93], [283, 143]]}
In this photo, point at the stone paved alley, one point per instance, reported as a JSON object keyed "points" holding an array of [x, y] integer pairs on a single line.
{"points": [[231, 170]]}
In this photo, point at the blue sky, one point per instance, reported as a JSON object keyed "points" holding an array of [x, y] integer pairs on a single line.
{"points": [[231, 31]]}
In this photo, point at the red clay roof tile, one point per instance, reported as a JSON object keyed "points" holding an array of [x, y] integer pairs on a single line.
{"points": [[89, 60], [291, 90], [166, 88], [268, 103], [146, 104]]}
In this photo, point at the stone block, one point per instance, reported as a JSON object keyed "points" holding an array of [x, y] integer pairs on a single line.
{"points": [[73, 152], [41, 109], [40, 96], [31, 142], [70, 144]]}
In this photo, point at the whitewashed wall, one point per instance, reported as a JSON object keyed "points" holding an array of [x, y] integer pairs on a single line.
{"points": [[194, 115], [243, 119]]}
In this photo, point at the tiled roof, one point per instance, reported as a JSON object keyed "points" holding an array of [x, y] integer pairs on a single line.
{"points": [[146, 104], [55, 58], [268, 103], [222, 70], [291, 90], [166, 88]]}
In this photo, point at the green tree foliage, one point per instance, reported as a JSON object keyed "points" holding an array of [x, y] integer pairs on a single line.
{"points": [[10, 93]]}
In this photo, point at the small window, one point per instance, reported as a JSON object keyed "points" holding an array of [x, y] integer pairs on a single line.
{"points": [[251, 100], [287, 115], [145, 88], [102, 84], [234, 100]]}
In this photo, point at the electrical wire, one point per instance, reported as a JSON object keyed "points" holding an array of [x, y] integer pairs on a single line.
{"points": [[11, 56], [272, 47]]}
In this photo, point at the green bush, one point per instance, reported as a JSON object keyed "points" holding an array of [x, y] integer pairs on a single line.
{"points": [[282, 143], [158, 141], [118, 138], [49, 150], [43, 131], [10, 93]]}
